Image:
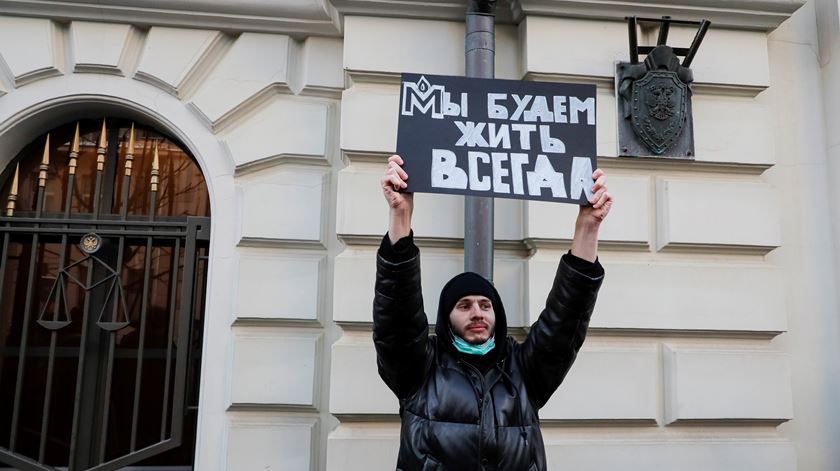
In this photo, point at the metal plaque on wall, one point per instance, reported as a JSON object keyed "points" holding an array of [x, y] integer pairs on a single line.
{"points": [[653, 96], [654, 113]]}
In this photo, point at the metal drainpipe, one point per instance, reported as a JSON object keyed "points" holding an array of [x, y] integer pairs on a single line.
{"points": [[480, 47]]}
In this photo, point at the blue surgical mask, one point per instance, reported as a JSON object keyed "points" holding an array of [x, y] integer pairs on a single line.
{"points": [[465, 347]]}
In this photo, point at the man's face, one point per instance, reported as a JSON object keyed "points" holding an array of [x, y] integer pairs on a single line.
{"points": [[473, 319]]}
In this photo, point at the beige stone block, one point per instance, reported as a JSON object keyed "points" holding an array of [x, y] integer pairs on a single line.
{"points": [[438, 215], [832, 110], [706, 212], [629, 219], [509, 274], [799, 92], [99, 47], [403, 45], [363, 211], [359, 195], [800, 27], [830, 95], [283, 202], [355, 271], [730, 129], [369, 118], [555, 46], [286, 126], [355, 385], [673, 295], [359, 190], [608, 384], [508, 219], [274, 366], [255, 62], [265, 441], [170, 55], [548, 220], [363, 446], [508, 52], [606, 132], [715, 63], [42, 55], [396, 45], [713, 385], [685, 296], [322, 63], [294, 281], [628, 454], [354, 275]]}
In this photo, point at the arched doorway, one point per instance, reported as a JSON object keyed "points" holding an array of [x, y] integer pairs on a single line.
{"points": [[103, 262]]}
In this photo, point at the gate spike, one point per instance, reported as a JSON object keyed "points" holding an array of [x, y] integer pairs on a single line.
{"points": [[103, 147], [155, 169], [74, 152], [45, 164], [75, 147], [103, 140], [13, 194], [129, 155]]}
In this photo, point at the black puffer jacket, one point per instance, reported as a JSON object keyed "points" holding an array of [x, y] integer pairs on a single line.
{"points": [[453, 417]]}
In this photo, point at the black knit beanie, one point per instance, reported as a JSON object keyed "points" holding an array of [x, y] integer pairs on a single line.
{"points": [[465, 284]]}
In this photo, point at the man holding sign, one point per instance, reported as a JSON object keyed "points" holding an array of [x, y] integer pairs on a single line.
{"points": [[469, 394]]}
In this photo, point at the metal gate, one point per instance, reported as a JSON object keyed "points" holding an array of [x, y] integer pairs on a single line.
{"points": [[101, 304]]}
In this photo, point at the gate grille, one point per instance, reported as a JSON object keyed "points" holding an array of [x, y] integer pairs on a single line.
{"points": [[102, 269]]}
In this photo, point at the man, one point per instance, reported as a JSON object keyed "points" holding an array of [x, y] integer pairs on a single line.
{"points": [[469, 395]]}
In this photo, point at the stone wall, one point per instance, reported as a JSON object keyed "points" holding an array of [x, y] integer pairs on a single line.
{"points": [[680, 369], [713, 344]]}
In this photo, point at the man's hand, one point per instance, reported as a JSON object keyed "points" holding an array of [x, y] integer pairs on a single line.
{"points": [[585, 242], [401, 204], [601, 202]]}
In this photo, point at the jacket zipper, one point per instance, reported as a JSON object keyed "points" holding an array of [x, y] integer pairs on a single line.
{"points": [[480, 409]]}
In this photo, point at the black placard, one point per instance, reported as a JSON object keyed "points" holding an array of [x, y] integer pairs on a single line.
{"points": [[498, 138]]}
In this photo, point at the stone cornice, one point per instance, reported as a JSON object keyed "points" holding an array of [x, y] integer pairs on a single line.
{"points": [[324, 17], [738, 14], [302, 17], [420, 9]]}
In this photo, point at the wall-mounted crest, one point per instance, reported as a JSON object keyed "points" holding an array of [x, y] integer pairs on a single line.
{"points": [[654, 96]]}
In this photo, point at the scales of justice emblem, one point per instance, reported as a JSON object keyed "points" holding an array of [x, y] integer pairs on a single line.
{"points": [[109, 281]]}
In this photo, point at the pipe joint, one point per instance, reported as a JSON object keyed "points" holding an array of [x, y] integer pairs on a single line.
{"points": [[481, 7]]}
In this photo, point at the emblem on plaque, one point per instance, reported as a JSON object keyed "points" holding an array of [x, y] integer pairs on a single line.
{"points": [[654, 95], [658, 113]]}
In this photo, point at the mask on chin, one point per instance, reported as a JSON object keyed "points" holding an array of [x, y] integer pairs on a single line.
{"points": [[465, 347]]}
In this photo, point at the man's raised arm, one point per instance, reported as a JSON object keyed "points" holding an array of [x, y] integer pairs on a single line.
{"points": [[585, 242], [555, 338], [400, 326]]}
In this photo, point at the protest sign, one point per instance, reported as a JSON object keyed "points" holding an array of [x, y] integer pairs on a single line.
{"points": [[497, 138]]}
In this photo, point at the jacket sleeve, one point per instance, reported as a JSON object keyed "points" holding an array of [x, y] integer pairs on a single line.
{"points": [[400, 326], [555, 338]]}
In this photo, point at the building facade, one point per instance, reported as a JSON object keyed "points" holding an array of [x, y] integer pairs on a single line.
{"points": [[714, 344]]}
